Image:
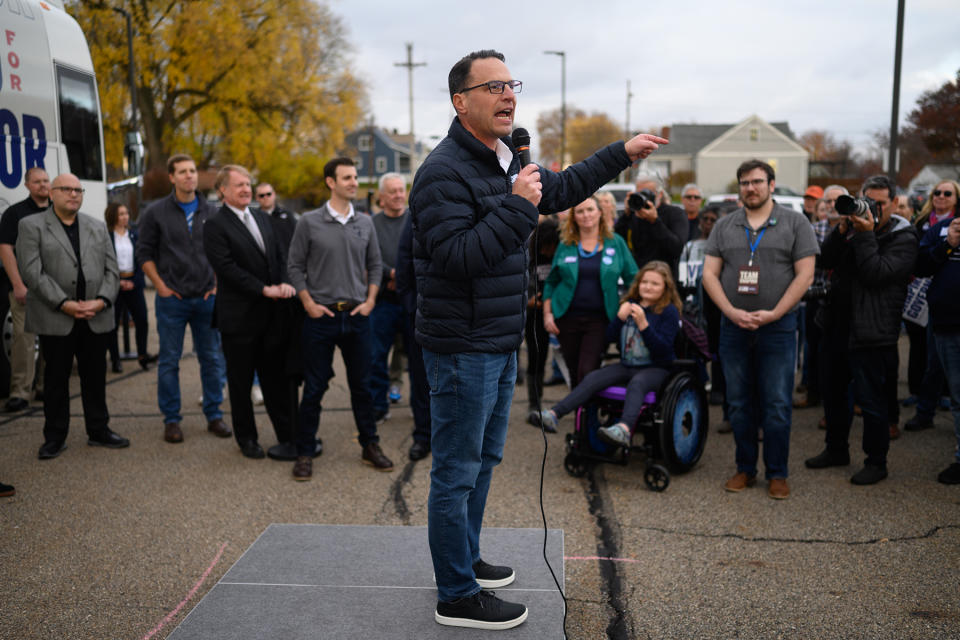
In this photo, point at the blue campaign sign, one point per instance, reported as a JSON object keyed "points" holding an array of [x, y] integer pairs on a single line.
{"points": [[24, 145]]}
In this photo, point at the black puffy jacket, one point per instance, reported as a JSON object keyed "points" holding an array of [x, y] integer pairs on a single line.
{"points": [[470, 234], [869, 282]]}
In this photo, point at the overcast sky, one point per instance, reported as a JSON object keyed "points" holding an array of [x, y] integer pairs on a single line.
{"points": [[815, 64]]}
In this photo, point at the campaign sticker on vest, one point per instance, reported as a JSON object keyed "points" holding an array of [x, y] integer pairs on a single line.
{"points": [[611, 251], [570, 259], [944, 231], [607, 260], [514, 177], [748, 281]]}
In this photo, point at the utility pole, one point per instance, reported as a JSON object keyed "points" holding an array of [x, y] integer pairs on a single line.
{"points": [[410, 66], [626, 131], [563, 103], [895, 113], [133, 146]]}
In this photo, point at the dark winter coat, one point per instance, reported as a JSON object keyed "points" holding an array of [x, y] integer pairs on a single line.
{"points": [[470, 239]]}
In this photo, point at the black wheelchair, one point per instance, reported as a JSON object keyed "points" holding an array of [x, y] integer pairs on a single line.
{"points": [[674, 422]]}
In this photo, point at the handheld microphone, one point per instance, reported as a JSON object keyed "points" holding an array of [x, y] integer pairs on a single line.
{"points": [[521, 141]]}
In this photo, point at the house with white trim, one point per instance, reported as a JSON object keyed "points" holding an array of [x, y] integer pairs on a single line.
{"points": [[714, 151]]}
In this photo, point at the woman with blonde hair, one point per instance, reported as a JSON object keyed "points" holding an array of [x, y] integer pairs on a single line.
{"points": [[580, 295]]}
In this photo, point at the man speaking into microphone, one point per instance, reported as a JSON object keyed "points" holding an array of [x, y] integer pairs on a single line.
{"points": [[473, 208]]}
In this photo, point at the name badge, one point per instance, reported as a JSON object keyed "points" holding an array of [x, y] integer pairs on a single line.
{"points": [[748, 281], [570, 259]]}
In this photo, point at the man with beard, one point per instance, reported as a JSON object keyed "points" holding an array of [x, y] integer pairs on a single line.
{"points": [[759, 263]]}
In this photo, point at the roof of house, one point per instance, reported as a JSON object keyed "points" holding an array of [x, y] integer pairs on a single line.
{"points": [[691, 138]]}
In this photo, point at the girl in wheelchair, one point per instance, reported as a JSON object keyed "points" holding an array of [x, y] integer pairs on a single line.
{"points": [[647, 324]]}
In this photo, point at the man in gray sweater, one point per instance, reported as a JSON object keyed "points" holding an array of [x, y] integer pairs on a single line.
{"points": [[334, 264]]}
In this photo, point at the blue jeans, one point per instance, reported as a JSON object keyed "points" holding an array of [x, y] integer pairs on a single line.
{"points": [[470, 395], [948, 348], [321, 337], [173, 315], [933, 377], [386, 321], [759, 367]]}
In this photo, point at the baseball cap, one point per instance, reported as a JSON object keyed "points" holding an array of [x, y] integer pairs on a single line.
{"points": [[814, 192]]}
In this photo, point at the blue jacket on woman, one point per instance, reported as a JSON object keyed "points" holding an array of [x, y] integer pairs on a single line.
{"points": [[617, 262], [659, 336], [470, 239]]}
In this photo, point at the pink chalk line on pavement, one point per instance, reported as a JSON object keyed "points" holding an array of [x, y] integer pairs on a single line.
{"points": [[600, 558], [170, 616]]}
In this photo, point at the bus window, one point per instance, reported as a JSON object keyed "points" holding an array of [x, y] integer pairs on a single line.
{"points": [[79, 123]]}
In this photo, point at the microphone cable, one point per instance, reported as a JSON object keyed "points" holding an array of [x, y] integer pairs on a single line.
{"points": [[543, 433]]}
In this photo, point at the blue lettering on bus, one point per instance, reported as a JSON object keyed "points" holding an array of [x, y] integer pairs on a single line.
{"points": [[33, 141], [10, 131]]}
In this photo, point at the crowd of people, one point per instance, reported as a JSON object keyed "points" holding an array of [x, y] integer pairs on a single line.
{"points": [[458, 279], [250, 277], [348, 279]]}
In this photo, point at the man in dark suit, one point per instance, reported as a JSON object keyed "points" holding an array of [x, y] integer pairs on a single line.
{"points": [[243, 250], [70, 271]]}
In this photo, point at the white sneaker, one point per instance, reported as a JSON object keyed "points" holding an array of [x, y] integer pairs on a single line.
{"points": [[256, 395]]}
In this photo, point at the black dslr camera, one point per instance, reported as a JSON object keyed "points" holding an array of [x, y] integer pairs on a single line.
{"points": [[860, 207], [639, 199]]}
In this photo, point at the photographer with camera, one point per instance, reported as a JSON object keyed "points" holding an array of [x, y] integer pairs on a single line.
{"points": [[653, 228], [872, 253]]}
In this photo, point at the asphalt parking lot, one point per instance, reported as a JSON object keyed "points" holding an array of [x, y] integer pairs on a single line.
{"points": [[123, 543]]}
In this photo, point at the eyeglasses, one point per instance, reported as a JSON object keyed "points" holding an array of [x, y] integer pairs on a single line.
{"points": [[690, 196], [945, 194], [73, 190], [265, 195], [496, 86], [753, 183]]}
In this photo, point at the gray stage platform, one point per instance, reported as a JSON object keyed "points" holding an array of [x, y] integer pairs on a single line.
{"points": [[334, 581]]}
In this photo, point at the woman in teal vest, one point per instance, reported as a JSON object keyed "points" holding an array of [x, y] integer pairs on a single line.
{"points": [[580, 297]]}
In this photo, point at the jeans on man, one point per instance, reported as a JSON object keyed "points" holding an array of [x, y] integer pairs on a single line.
{"points": [[321, 337], [948, 348], [470, 395], [759, 368], [386, 320], [173, 315]]}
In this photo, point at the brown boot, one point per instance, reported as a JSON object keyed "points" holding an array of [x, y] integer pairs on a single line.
{"points": [[779, 489], [172, 432], [740, 481]]}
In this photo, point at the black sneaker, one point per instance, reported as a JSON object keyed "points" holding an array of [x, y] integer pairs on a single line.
{"points": [[7, 490], [950, 475], [919, 423], [492, 577], [870, 474], [828, 459], [482, 610]]}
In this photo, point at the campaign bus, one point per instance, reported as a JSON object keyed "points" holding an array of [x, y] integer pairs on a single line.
{"points": [[49, 105]]}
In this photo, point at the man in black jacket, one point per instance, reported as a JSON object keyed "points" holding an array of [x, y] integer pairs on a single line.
{"points": [[170, 251], [244, 252], [872, 260], [473, 208], [657, 232]]}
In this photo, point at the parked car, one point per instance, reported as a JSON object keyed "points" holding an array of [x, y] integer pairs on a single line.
{"points": [[781, 195]]}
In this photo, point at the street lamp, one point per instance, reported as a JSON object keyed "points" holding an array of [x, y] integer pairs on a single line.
{"points": [[133, 146], [563, 102]]}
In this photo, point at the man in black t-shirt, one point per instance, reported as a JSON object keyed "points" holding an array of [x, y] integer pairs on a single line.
{"points": [[23, 347]]}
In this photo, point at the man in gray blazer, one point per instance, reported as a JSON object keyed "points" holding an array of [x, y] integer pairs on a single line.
{"points": [[68, 264]]}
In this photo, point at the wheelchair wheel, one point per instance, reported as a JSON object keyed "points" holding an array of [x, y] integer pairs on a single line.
{"points": [[575, 465], [656, 477], [684, 422]]}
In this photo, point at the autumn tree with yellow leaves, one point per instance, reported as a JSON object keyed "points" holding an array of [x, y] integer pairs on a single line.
{"points": [[263, 83]]}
